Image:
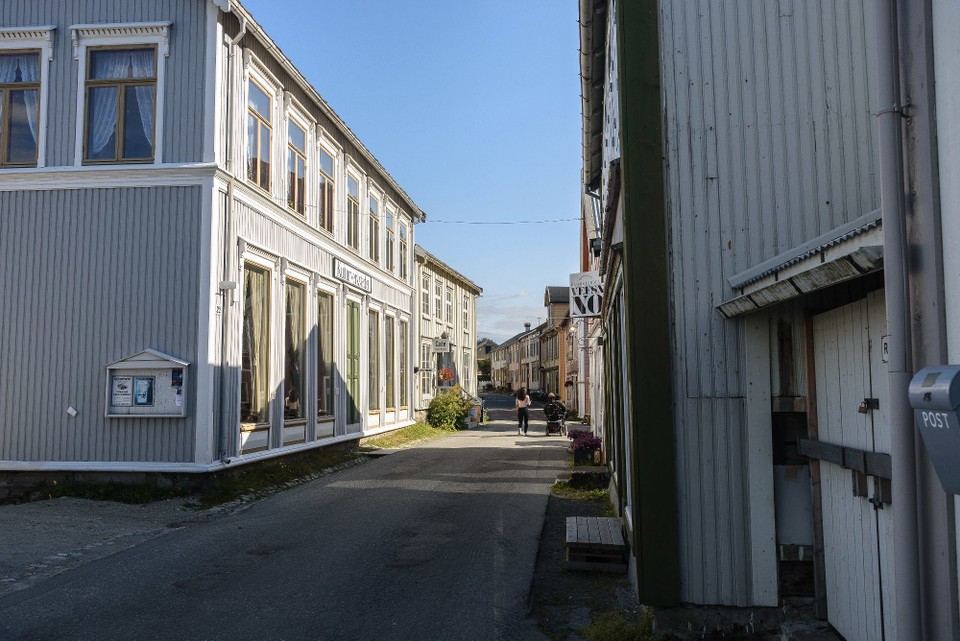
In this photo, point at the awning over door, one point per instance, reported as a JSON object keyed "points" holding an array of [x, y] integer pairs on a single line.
{"points": [[848, 252]]}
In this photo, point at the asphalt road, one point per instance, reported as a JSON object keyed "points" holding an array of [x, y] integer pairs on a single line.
{"points": [[437, 542]]}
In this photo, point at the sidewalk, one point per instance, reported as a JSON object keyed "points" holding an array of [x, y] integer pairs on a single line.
{"points": [[44, 538]]}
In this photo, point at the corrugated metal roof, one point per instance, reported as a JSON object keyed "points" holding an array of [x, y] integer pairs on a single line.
{"points": [[806, 250]]}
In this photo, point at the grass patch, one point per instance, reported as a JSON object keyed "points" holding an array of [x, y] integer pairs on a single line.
{"points": [[405, 437], [600, 497], [263, 478], [118, 492], [614, 626]]}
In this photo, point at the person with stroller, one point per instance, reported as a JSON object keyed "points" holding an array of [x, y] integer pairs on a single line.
{"points": [[555, 412], [522, 403]]}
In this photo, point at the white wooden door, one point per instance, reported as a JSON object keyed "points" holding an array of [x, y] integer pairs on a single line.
{"points": [[857, 534]]}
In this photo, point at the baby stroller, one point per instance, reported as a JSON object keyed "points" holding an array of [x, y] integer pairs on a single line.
{"points": [[556, 415], [557, 427]]}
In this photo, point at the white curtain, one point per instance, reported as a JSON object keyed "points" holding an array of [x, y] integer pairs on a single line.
{"points": [[142, 65], [23, 68], [111, 65]]}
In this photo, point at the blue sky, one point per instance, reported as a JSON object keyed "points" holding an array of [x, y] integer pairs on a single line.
{"points": [[474, 108]]}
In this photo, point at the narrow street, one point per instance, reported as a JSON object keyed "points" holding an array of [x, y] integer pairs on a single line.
{"points": [[434, 542]]}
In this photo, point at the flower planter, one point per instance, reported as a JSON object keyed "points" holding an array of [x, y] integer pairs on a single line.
{"points": [[583, 457]]}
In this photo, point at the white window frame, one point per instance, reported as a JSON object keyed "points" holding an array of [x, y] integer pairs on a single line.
{"points": [[330, 146], [40, 38], [403, 256], [293, 110], [254, 71], [425, 311], [268, 262], [353, 172], [374, 191], [130, 34]]}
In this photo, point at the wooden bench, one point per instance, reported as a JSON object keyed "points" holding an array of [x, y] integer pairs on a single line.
{"points": [[596, 544]]}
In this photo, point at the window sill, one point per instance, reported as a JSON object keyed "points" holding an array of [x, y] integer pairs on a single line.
{"points": [[121, 161], [326, 418], [294, 422], [253, 427]]}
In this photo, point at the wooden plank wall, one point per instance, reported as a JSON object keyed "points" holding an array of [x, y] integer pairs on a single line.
{"points": [[769, 141], [86, 283], [184, 73]]}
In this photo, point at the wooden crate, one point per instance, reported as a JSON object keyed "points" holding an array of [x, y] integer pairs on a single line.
{"points": [[595, 544]]}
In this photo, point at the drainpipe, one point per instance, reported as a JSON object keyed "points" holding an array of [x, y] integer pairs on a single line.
{"points": [[903, 443], [226, 273]]}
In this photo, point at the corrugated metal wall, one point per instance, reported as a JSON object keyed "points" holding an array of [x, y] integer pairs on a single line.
{"points": [[769, 142], [184, 72], [92, 276]]}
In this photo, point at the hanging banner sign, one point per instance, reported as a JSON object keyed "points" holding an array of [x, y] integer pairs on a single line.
{"points": [[586, 294], [441, 345]]}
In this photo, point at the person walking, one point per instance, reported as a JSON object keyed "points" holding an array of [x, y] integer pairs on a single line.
{"points": [[522, 403]]}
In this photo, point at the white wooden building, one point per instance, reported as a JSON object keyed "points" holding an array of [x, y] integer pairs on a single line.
{"points": [[448, 313]]}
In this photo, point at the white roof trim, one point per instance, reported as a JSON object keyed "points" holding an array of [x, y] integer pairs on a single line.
{"points": [[134, 361]]}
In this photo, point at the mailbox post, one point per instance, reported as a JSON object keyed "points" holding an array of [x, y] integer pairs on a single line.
{"points": [[935, 398]]}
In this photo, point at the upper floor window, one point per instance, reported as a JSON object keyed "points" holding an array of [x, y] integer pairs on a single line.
{"points": [[121, 95], [353, 213], [296, 167], [425, 294], [19, 108], [438, 299], [326, 190], [373, 249], [403, 251], [466, 312], [259, 135], [450, 305], [388, 241]]}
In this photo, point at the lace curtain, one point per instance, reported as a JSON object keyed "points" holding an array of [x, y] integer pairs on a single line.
{"points": [[255, 353], [118, 65], [24, 67]]}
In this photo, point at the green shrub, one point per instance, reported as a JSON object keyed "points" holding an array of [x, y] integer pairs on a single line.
{"points": [[614, 627], [448, 411]]}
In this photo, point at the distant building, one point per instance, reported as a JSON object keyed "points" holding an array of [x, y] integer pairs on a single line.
{"points": [[447, 304], [485, 348]]}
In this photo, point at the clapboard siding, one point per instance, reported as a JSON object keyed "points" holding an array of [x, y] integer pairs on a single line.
{"points": [[92, 276], [769, 141], [183, 113], [311, 250]]}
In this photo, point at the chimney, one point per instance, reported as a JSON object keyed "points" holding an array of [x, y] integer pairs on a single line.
{"points": [[526, 326]]}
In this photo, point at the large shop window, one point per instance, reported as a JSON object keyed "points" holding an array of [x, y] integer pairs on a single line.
{"points": [[389, 373], [353, 213], [121, 93], [388, 241], [353, 362], [19, 108], [426, 369], [295, 338], [326, 191], [325, 366], [259, 134], [255, 360], [373, 381], [403, 363], [296, 167]]}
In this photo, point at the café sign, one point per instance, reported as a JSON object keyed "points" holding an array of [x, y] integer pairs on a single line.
{"points": [[351, 276]]}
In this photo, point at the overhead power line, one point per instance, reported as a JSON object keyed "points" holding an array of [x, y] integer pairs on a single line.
{"points": [[504, 222]]}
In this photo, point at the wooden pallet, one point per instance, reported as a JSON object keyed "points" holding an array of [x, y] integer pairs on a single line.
{"points": [[595, 544]]}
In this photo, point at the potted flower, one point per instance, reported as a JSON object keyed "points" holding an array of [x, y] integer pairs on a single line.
{"points": [[585, 446]]}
